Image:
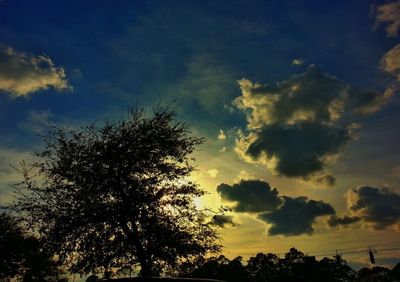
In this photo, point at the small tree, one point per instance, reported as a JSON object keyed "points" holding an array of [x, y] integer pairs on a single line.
{"points": [[118, 195]]}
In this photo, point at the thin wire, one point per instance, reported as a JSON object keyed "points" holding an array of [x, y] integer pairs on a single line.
{"points": [[332, 252], [358, 252], [355, 248]]}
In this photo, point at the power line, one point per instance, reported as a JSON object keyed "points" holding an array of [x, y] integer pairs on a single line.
{"points": [[332, 252]]}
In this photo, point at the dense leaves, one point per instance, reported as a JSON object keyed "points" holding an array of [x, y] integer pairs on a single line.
{"points": [[118, 195], [21, 256]]}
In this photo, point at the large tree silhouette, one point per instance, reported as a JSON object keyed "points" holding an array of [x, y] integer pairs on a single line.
{"points": [[118, 195]]}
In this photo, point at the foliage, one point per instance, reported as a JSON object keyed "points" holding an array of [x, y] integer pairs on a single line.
{"points": [[294, 266], [21, 256], [118, 195]]}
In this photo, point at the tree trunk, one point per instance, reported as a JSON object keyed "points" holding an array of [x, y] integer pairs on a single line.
{"points": [[145, 264]]}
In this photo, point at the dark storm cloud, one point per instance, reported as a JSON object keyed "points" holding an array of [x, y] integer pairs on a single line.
{"points": [[250, 196], [300, 148], [296, 216], [288, 216], [222, 220], [334, 221], [378, 207], [295, 126]]}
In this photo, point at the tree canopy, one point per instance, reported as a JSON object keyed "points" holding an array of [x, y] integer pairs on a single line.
{"points": [[117, 195], [22, 256]]}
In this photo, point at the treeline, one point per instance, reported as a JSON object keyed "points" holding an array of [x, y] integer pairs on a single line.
{"points": [[23, 257], [295, 266]]}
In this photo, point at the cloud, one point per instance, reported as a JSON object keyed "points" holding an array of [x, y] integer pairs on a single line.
{"points": [[389, 13], [22, 74], [243, 175], [296, 216], [250, 196], [221, 135], [38, 121], [325, 180], [334, 221], [378, 207], [299, 150], [297, 62], [288, 216], [390, 62], [213, 172], [294, 128], [222, 220]]}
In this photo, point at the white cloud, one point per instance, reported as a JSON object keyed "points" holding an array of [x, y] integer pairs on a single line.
{"points": [[213, 172], [243, 175], [221, 135], [297, 62], [22, 73]]}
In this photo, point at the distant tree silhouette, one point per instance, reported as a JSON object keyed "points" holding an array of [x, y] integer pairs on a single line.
{"points": [[396, 271], [375, 274], [263, 267], [294, 266], [335, 269], [21, 256], [220, 268], [118, 195]]}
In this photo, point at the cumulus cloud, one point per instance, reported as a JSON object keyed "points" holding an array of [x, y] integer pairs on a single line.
{"points": [[378, 207], [287, 216], [389, 13], [299, 149], [222, 220], [22, 74], [297, 62], [294, 128], [346, 220], [250, 196], [221, 135], [213, 172], [296, 216], [390, 62]]}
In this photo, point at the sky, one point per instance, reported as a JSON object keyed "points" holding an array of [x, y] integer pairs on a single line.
{"points": [[298, 102]]}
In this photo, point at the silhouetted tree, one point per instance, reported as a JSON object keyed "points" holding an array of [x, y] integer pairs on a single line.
{"points": [[396, 271], [118, 194], [263, 267], [22, 257], [220, 268], [335, 269], [295, 266], [375, 274]]}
